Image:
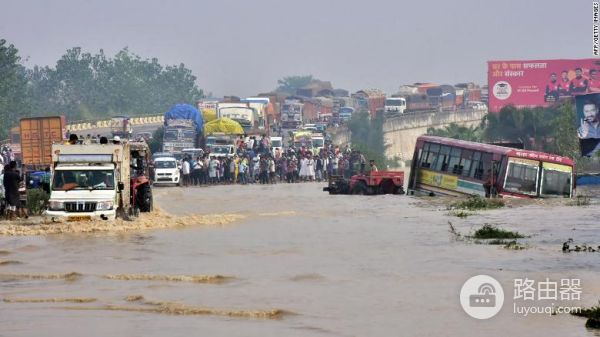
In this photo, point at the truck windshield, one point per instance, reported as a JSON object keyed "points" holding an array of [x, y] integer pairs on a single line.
{"points": [[65, 180], [189, 134], [170, 134], [165, 164], [394, 102], [276, 143], [317, 142]]}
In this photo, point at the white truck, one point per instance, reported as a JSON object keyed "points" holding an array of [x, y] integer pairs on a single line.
{"points": [[99, 181], [395, 105], [239, 112], [318, 142]]}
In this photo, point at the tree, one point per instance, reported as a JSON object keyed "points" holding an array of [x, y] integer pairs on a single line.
{"points": [[85, 86], [13, 88], [289, 84], [532, 126], [367, 137]]}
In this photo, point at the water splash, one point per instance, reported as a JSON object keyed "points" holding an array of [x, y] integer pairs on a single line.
{"points": [[146, 221], [67, 277], [174, 278], [50, 300]]}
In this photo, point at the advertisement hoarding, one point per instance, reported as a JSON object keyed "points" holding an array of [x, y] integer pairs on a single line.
{"points": [[532, 83], [588, 123]]}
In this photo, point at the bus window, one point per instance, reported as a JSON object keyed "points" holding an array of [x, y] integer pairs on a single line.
{"points": [[442, 161], [486, 166], [476, 165], [556, 180], [465, 162], [521, 178], [427, 158], [454, 160]]}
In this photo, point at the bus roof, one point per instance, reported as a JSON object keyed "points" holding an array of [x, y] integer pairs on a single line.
{"points": [[527, 154]]}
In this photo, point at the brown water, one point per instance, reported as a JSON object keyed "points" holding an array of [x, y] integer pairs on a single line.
{"points": [[290, 260]]}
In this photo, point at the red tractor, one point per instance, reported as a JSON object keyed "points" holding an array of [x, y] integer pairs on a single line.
{"points": [[379, 182]]}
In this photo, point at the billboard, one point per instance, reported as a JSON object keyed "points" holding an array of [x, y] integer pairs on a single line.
{"points": [[526, 84], [588, 123]]}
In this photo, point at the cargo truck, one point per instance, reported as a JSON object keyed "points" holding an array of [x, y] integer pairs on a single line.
{"points": [[99, 181], [240, 112], [291, 114], [184, 126]]}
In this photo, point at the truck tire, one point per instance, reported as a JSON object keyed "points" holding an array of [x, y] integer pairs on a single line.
{"points": [[360, 188], [144, 198]]}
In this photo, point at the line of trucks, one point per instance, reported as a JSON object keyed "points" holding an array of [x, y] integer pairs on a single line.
{"points": [[87, 181]]}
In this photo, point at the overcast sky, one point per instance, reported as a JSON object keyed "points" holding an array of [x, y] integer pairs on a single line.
{"points": [[242, 47]]}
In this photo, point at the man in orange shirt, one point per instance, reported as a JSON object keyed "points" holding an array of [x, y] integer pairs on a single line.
{"points": [[579, 84]]}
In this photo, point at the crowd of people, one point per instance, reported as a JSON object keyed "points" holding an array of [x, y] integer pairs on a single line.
{"points": [[260, 164]]}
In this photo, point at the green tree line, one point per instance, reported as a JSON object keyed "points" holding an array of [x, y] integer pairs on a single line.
{"points": [[84, 86]]}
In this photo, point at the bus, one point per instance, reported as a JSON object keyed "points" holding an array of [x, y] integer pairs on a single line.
{"points": [[454, 167]]}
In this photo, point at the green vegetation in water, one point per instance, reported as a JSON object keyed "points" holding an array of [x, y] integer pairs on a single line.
{"points": [[488, 231], [460, 214], [475, 202], [37, 199], [593, 316], [580, 200]]}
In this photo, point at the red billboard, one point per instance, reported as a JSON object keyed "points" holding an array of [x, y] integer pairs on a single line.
{"points": [[533, 83]]}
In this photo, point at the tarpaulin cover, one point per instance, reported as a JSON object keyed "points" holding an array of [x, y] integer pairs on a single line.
{"points": [[303, 136], [224, 125], [209, 114], [186, 111]]}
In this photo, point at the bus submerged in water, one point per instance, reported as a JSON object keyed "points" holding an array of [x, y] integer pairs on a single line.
{"points": [[455, 167]]}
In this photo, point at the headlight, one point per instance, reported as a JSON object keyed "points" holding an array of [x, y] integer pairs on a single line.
{"points": [[104, 205], [55, 205]]}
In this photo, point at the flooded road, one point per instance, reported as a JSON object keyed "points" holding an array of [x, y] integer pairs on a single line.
{"points": [[293, 261]]}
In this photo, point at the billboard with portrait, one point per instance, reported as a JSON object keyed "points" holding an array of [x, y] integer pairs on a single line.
{"points": [[588, 123], [527, 84]]}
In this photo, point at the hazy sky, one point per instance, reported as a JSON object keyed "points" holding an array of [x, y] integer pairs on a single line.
{"points": [[242, 47]]}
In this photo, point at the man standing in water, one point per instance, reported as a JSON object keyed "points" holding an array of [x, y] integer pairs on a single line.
{"points": [[11, 189]]}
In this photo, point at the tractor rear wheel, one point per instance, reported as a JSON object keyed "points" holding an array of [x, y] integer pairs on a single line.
{"points": [[144, 198]]}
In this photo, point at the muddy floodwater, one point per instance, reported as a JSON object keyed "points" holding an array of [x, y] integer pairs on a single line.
{"points": [[291, 260]]}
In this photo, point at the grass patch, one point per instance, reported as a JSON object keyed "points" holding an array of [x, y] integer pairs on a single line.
{"points": [[592, 314], [460, 214], [488, 231], [475, 202], [580, 200]]}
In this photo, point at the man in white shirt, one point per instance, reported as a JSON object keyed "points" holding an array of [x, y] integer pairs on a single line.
{"points": [[185, 170]]}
